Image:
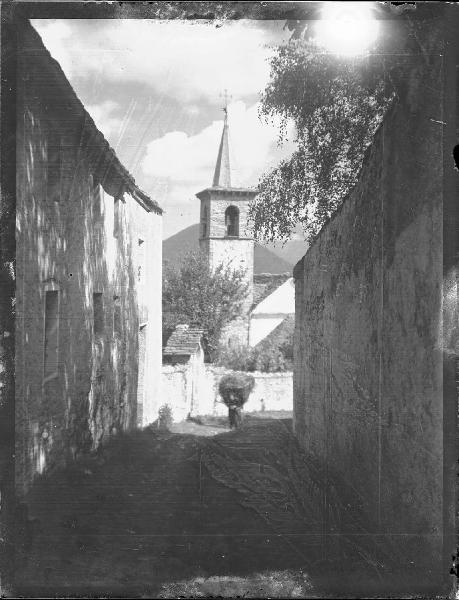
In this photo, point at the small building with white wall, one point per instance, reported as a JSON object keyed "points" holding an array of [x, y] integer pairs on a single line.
{"points": [[271, 311]]}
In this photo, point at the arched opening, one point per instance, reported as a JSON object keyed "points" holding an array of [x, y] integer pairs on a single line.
{"points": [[232, 221]]}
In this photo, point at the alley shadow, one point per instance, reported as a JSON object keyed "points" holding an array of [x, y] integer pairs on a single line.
{"points": [[212, 425], [154, 508]]}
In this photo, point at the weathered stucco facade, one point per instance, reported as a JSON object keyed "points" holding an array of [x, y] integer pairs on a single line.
{"points": [[192, 389], [234, 249], [88, 277], [369, 339], [272, 311]]}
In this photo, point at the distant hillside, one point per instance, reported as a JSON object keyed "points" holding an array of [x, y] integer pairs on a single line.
{"points": [[266, 260], [292, 251], [180, 243]]}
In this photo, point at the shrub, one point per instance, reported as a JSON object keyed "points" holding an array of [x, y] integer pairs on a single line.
{"points": [[165, 418], [270, 360], [237, 358], [264, 358]]}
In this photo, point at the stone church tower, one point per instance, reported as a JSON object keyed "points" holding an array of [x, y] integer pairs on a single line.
{"points": [[224, 233]]}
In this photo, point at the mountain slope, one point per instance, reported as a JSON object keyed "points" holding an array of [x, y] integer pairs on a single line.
{"points": [[180, 243], [291, 251], [265, 260]]}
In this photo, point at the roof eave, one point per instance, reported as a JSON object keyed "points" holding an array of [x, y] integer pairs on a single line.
{"points": [[93, 136], [222, 190]]}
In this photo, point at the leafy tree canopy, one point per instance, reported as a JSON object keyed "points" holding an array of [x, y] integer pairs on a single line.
{"points": [[209, 299], [335, 105]]}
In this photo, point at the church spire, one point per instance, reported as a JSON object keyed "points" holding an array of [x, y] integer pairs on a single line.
{"points": [[222, 175]]}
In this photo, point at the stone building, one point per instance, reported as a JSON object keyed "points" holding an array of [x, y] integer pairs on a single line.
{"points": [[184, 345], [226, 238], [376, 336], [88, 297], [272, 311], [225, 235], [183, 371]]}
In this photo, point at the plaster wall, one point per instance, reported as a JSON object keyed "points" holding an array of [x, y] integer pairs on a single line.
{"points": [[272, 391], [72, 239], [368, 388], [261, 326]]}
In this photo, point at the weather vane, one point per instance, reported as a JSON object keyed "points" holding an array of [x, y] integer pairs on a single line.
{"points": [[226, 98]]}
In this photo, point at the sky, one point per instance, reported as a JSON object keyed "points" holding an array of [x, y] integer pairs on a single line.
{"points": [[154, 89]]}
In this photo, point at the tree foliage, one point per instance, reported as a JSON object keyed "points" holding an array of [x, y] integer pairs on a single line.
{"points": [[194, 294], [267, 358], [335, 105]]}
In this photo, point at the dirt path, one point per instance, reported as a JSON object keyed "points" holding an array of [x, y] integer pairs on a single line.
{"points": [[156, 509]]}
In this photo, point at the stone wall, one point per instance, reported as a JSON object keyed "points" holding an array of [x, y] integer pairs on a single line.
{"points": [[368, 381], [236, 252], [75, 240], [196, 392], [176, 390], [217, 203]]}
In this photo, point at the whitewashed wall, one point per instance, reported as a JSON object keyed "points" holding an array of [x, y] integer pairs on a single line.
{"points": [[272, 391]]}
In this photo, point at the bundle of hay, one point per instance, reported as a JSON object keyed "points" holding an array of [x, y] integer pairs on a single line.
{"points": [[235, 388]]}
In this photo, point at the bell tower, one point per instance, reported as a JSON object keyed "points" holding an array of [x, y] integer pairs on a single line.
{"points": [[224, 233]]}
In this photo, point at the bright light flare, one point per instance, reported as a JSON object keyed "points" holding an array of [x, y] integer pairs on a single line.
{"points": [[346, 28]]}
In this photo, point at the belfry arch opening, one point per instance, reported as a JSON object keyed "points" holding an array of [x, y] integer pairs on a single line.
{"points": [[232, 221]]}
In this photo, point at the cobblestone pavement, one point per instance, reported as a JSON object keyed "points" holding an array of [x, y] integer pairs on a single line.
{"points": [[197, 511], [157, 508]]}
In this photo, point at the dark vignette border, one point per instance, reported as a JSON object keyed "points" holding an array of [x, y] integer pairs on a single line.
{"points": [[289, 11], [7, 294]]}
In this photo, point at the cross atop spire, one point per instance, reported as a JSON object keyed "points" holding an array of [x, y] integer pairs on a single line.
{"points": [[222, 175], [225, 98]]}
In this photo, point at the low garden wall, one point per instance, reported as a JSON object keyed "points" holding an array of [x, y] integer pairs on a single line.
{"points": [[197, 393]]}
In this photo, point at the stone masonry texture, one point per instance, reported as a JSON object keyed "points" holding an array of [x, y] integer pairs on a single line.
{"points": [[368, 381], [235, 251], [68, 241]]}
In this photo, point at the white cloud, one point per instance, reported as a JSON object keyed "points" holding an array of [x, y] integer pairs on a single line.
{"points": [[188, 59], [55, 35], [181, 158], [182, 165], [192, 62], [105, 121]]}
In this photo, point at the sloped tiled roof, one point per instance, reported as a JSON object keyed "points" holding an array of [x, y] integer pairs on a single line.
{"points": [[264, 285], [280, 301], [185, 340], [281, 334]]}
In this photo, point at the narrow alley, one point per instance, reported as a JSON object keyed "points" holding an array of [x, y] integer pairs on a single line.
{"points": [[229, 352], [158, 507], [207, 511]]}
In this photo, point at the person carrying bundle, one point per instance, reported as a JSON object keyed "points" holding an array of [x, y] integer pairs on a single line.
{"points": [[235, 389]]}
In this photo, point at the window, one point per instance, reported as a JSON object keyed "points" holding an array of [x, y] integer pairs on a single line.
{"points": [[54, 167], [98, 308], [232, 221], [141, 262], [116, 315], [51, 334]]}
